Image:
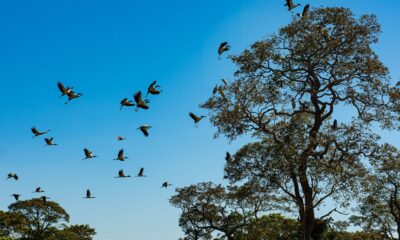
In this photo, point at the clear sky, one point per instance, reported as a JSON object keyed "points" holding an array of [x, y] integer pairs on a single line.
{"points": [[108, 50]]}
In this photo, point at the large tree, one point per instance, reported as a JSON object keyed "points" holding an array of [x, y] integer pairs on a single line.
{"points": [[286, 92]]}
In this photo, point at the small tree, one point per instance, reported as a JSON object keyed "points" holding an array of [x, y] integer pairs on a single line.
{"points": [[40, 217], [208, 208]]}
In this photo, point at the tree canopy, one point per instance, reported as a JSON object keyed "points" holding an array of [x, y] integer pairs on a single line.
{"points": [[38, 220], [285, 95]]}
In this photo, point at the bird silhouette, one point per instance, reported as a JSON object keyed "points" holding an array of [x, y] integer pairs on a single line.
{"points": [[224, 81], [16, 196], [49, 142], [165, 185], [126, 103], [38, 190], [290, 5], [145, 129], [121, 174], [140, 103], [121, 156], [195, 118], [37, 132], [89, 195], [64, 90], [12, 175], [141, 173], [152, 89], [223, 47], [88, 154], [119, 138]]}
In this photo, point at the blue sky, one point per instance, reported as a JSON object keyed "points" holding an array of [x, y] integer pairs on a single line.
{"points": [[108, 50]]}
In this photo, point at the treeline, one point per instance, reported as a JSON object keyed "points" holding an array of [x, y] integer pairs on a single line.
{"points": [[38, 220], [314, 98]]}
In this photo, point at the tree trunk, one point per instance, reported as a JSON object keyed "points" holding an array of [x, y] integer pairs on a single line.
{"points": [[307, 223]]}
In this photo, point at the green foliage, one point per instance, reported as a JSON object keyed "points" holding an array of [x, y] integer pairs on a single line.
{"points": [[208, 208], [286, 91], [379, 206], [271, 227], [37, 220]]}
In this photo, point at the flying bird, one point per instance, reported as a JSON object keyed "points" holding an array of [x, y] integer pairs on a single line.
{"points": [[290, 5], [72, 95], [126, 103], [63, 90], [37, 132], [223, 47], [119, 138], [121, 174], [165, 185], [12, 175], [144, 129], [88, 154], [121, 155], [152, 89], [16, 196], [140, 103], [195, 118], [89, 195], [38, 190], [49, 142], [141, 173]]}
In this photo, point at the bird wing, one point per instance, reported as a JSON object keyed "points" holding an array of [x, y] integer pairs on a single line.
{"points": [[193, 116], [87, 152], [141, 172], [61, 87], [138, 97], [305, 10], [152, 84], [144, 131], [35, 131], [121, 154], [124, 100]]}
